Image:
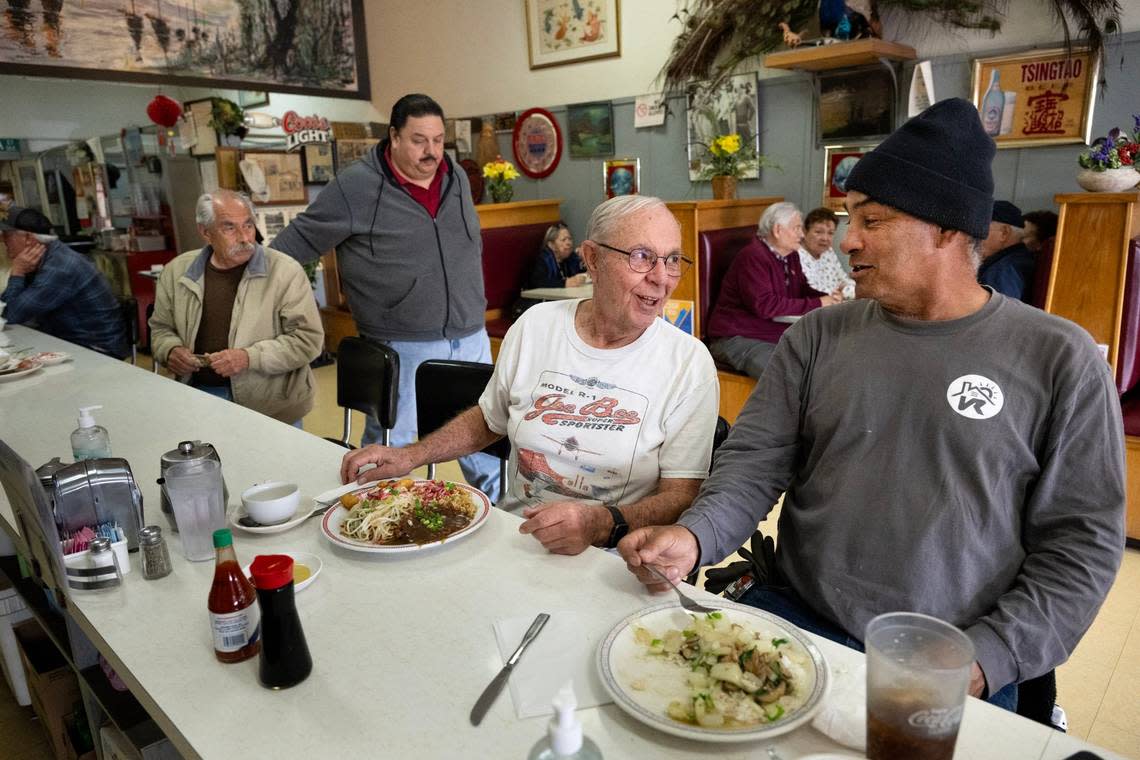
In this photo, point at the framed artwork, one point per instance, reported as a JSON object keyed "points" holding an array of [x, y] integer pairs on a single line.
{"points": [[537, 143], [569, 31], [855, 104], [1041, 97], [319, 167], [838, 161], [229, 44], [203, 138], [590, 128], [271, 220], [349, 151], [621, 176], [728, 109], [273, 177], [504, 122], [248, 99]]}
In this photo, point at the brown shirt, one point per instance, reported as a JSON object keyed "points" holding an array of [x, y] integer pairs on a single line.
{"points": [[218, 292]]}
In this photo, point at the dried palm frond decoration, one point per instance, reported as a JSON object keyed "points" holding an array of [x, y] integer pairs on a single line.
{"points": [[719, 35]]}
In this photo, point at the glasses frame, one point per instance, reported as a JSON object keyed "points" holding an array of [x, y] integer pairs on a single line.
{"points": [[684, 267]]}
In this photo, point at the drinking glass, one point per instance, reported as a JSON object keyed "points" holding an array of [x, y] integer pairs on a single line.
{"points": [[195, 493], [918, 672]]}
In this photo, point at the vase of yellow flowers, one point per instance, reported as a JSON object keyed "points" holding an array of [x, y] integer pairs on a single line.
{"points": [[727, 161], [499, 175]]}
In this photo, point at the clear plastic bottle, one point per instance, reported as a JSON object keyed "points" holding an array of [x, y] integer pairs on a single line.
{"points": [[564, 738], [90, 441], [234, 616]]}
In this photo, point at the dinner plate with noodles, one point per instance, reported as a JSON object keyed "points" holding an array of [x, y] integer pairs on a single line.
{"points": [[737, 674], [405, 515]]}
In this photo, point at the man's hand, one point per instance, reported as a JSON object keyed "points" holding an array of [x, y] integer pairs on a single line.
{"points": [[567, 527], [181, 361], [672, 549], [977, 681], [577, 280], [28, 260], [229, 362], [389, 463]]}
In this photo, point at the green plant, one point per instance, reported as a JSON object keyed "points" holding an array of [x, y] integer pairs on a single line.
{"points": [[729, 157], [1117, 149], [227, 117]]}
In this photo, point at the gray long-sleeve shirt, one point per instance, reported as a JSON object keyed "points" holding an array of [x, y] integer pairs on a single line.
{"points": [[972, 470]]}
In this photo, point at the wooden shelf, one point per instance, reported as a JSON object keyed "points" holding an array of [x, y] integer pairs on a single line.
{"points": [[839, 55]]}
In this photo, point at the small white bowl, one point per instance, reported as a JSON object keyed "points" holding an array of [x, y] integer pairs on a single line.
{"points": [[271, 503]]}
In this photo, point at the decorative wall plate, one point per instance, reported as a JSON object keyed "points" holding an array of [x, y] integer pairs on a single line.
{"points": [[537, 143]]}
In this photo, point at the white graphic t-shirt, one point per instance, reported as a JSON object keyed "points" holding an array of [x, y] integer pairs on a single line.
{"points": [[825, 274], [599, 425]]}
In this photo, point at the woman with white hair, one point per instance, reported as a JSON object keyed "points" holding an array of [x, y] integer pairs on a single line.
{"points": [[764, 281], [609, 409]]}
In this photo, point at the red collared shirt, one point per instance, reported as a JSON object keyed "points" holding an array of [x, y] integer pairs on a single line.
{"points": [[429, 196]]}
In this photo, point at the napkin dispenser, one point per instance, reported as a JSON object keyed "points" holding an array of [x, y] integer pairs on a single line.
{"points": [[95, 491]]}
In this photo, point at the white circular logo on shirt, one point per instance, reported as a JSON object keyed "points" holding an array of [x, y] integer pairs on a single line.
{"points": [[975, 397]]}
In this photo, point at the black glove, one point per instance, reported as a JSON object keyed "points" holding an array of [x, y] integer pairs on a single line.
{"points": [[760, 563]]}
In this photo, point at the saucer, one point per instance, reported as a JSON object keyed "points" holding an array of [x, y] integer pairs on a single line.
{"points": [[312, 561], [51, 358], [298, 517]]}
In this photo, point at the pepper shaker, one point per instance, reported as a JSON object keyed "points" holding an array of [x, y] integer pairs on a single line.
{"points": [[155, 554]]}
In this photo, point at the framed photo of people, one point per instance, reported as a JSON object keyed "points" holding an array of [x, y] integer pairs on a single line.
{"points": [[319, 167], [569, 31], [838, 162], [1040, 97], [855, 105], [621, 176], [728, 109]]}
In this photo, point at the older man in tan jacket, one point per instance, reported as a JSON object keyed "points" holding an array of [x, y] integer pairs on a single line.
{"points": [[237, 320]]}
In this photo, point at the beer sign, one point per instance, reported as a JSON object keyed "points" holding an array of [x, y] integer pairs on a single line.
{"points": [[1036, 98], [303, 130]]}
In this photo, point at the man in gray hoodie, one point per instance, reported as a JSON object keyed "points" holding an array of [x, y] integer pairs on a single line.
{"points": [[409, 253]]}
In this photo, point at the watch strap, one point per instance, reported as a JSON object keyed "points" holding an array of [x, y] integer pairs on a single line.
{"points": [[621, 527]]}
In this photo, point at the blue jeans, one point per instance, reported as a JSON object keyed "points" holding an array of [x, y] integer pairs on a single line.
{"points": [[784, 602], [481, 470], [224, 392]]}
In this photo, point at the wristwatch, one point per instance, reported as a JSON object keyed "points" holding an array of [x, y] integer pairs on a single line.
{"points": [[621, 527]]}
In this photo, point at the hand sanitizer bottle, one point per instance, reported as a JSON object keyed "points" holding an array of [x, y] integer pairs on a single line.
{"points": [[89, 441], [564, 736]]}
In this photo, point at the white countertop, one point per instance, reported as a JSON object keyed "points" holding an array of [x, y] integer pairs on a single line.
{"points": [[558, 294], [401, 646]]}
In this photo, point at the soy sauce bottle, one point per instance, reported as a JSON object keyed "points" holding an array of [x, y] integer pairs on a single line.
{"points": [[285, 659]]}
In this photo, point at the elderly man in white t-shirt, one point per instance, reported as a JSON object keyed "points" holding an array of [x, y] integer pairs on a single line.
{"points": [[610, 410], [817, 258]]}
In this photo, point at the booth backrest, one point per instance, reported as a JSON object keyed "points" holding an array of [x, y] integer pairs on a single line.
{"points": [[1128, 355], [715, 250], [1040, 284], [508, 255]]}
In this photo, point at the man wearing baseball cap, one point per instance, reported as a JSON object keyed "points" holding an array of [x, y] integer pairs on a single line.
{"points": [[55, 289], [941, 448], [1007, 265]]}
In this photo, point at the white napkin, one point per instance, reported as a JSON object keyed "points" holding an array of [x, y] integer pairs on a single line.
{"points": [[562, 652], [844, 713]]}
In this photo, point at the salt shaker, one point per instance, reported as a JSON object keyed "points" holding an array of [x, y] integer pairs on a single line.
{"points": [[100, 557], [155, 555]]}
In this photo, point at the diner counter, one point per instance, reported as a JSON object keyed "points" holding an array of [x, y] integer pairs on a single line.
{"points": [[402, 646]]}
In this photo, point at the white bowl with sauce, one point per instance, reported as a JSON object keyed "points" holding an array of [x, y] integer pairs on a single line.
{"points": [[271, 503], [306, 568]]}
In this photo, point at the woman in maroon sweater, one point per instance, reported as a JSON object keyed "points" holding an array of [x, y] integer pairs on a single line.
{"points": [[763, 281]]}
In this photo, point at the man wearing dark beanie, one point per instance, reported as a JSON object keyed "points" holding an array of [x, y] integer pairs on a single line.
{"points": [[940, 448], [1007, 265]]}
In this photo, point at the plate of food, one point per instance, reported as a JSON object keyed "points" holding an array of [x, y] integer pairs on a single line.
{"points": [[51, 358], [405, 515], [737, 674], [306, 568], [14, 369]]}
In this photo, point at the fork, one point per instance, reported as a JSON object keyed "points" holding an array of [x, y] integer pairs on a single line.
{"points": [[690, 604]]}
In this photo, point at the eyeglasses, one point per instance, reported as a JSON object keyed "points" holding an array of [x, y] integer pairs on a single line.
{"points": [[641, 260]]}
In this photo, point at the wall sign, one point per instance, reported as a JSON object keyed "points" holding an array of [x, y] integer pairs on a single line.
{"points": [[537, 143], [303, 130]]}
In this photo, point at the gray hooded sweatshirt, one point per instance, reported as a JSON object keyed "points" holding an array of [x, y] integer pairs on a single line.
{"points": [[407, 276]]}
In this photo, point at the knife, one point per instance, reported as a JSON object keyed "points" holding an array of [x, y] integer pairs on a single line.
{"points": [[487, 698]]}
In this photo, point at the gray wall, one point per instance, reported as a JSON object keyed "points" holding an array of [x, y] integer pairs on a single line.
{"points": [[1029, 177]]}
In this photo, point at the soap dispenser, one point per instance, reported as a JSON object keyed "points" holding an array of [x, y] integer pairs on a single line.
{"points": [[564, 738], [89, 441]]}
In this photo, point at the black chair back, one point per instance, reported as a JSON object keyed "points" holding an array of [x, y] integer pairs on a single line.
{"points": [[367, 381], [129, 310]]}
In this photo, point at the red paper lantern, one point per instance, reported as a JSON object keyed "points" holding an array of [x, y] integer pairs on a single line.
{"points": [[164, 111]]}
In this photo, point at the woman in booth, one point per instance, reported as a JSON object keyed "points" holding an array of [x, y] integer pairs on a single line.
{"points": [[557, 266]]}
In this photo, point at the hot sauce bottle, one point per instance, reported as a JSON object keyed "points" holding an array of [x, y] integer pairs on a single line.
{"points": [[234, 617]]}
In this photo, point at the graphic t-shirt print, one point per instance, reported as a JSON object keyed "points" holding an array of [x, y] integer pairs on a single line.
{"points": [[578, 439], [975, 397]]}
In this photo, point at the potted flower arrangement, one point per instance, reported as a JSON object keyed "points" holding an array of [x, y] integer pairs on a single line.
{"points": [[1109, 164], [728, 159], [500, 174], [228, 119]]}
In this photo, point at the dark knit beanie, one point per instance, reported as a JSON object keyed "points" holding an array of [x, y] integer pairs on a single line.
{"points": [[1007, 213], [935, 167]]}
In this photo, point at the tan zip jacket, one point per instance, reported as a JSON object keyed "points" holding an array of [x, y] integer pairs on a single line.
{"points": [[275, 320]]}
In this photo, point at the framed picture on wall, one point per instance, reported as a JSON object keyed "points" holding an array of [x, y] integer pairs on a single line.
{"points": [[569, 31], [350, 151], [855, 104], [318, 163], [1041, 97], [838, 161], [621, 176], [273, 177], [728, 109], [591, 129]]}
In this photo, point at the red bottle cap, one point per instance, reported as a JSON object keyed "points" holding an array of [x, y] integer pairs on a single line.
{"points": [[271, 571]]}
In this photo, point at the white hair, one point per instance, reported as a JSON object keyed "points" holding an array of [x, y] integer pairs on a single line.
{"points": [[610, 213], [778, 213], [205, 212]]}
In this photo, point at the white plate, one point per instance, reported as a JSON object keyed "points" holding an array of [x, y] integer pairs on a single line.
{"points": [[11, 374], [298, 517], [621, 661], [330, 525], [51, 358], [312, 561]]}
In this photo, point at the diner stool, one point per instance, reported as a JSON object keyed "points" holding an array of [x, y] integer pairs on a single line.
{"points": [[129, 309], [446, 387], [367, 381]]}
